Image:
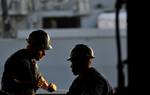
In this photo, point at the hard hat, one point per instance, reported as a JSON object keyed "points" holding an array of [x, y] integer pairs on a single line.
{"points": [[81, 51], [39, 39]]}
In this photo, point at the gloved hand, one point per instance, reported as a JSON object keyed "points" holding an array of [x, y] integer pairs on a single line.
{"points": [[42, 83], [52, 87]]}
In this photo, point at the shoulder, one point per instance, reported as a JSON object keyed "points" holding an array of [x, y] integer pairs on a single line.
{"points": [[97, 78], [18, 54], [17, 57], [100, 82], [93, 73]]}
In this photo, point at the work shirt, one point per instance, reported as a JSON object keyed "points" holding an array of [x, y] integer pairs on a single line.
{"points": [[93, 83], [20, 74]]}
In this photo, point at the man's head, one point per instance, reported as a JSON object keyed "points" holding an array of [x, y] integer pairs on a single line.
{"points": [[80, 58], [38, 42]]}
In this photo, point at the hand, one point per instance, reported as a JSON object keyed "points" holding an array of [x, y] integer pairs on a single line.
{"points": [[52, 87], [42, 83]]}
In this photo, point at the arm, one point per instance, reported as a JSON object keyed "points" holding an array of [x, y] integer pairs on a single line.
{"points": [[41, 82]]}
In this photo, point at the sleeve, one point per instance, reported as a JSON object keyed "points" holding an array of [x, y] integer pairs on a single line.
{"points": [[11, 79], [37, 72], [41, 82], [22, 75], [37, 76]]}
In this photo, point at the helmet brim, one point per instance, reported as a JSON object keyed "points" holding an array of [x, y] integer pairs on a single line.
{"points": [[81, 57], [49, 47]]}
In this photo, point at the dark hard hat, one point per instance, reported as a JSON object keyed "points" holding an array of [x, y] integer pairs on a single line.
{"points": [[39, 39], [81, 51]]}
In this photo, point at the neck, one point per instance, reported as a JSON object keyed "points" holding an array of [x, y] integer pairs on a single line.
{"points": [[84, 72]]}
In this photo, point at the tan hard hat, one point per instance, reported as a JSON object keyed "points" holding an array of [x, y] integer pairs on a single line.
{"points": [[81, 51], [40, 39]]}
